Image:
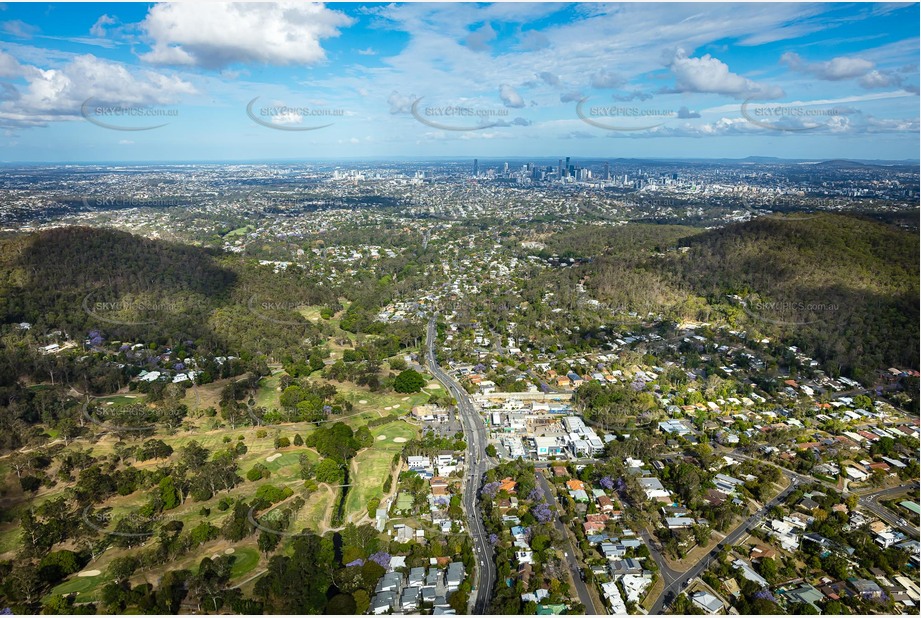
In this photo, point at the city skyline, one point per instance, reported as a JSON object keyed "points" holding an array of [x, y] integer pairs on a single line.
{"points": [[172, 82]]}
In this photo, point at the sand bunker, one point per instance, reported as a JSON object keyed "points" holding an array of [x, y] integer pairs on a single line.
{"points": [[388, 408], [433, 385], [362, 401], [400, 439], [272, 458], [90, 573], [229, 550], [382, 437], [405, 399]]}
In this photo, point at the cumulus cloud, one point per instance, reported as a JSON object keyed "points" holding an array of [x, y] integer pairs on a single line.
{"points": [[551, 79], [479, 39], [845, 67], [401, 104], [510, 98], [9, 67], [220, 34], [836, 69], [99, 28], [607, 79], [684, 112], [58, 94], [711, 75], [636, 95], [570, 97]]}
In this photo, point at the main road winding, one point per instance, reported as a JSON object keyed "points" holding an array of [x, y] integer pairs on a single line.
{"points": [[476, 464]]}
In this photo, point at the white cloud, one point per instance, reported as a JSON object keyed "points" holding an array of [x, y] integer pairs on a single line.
{"points": [[18, 28], [570, 97], [551, 79], [479, 40], [401, 104], [711, 75], [59, 93], [99, 28], [9, 67], [841, 67], [607, 79], [509, 97], [215, 35]]}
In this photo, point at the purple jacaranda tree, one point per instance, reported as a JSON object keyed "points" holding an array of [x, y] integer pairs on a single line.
{"points": [[490, 489], [382, 558], [606, 482], [541, 512], [357, 562]]}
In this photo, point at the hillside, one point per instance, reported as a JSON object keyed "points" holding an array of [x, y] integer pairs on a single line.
{"points": [[842, 286], [133, 288], [839, 287]]}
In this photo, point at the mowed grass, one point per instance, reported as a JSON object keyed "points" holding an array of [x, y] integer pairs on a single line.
{"points": [[380, 402], [371, 466], [85, 587]]}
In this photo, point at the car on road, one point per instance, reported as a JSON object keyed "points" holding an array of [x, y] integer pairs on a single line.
{"points": [[902, 522]]}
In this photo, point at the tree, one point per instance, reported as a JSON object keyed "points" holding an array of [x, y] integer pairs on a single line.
{"points": [[329, 471], [169, 495], [408, 381]]}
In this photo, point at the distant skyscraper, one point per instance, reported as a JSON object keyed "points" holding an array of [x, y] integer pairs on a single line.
{"points": [[476, 167], [607, 171], [505, 168], [559, 168]]}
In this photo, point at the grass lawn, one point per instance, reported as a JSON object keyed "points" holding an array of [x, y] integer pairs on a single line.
{"points": [[374, 464], [246, 560], [85, 587], [268, 394]]}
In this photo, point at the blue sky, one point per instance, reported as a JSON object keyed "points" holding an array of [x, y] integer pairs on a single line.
{"points": [[157, 82]]}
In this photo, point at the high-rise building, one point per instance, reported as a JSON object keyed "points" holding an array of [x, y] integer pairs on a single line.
{"points": [[505, 168], [559, 169], [607, 170], [476, 167]]}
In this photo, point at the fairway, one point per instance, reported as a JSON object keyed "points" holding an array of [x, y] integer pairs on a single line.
{"points": [[372, 465]]}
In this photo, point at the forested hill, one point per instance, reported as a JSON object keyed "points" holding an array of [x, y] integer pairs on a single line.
{"points": [[844, 289], [132, 288]]}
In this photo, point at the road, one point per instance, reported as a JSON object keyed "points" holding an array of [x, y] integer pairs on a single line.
{"points": [[867, 499], [871, 503], [477, 464], [585, 598], [675, 582]]}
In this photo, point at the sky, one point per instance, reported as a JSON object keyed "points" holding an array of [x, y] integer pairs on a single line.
{"points": [[115, 82]]}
